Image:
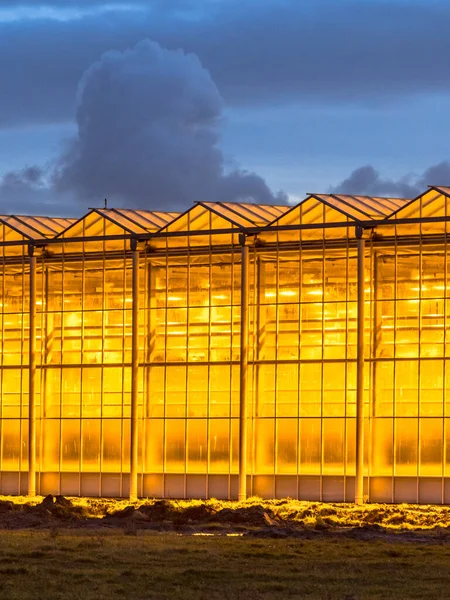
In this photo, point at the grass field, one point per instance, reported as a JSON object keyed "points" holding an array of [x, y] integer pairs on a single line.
{"points": [[86, 565]]}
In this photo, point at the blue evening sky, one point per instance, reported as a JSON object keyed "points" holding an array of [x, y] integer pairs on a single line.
{"points": [[311, 90]]}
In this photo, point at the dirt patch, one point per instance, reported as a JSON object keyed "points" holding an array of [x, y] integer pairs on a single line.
{"points": [[255, 517]]}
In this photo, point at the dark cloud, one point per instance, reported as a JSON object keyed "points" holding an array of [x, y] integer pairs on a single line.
{"points": [[257, 52], [26, 191], [436, 175], [148, 122], [368, 182], [244, 186]]}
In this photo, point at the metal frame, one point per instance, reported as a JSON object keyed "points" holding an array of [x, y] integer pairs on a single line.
{"points": [[32, 377], [155, 245], [134, 373], [243, 373], [359, 483]]}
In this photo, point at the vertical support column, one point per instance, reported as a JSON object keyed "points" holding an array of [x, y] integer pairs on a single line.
{"points": [[134, 372], [376, 322], [243, 369], [359, 480], [32, 377]]}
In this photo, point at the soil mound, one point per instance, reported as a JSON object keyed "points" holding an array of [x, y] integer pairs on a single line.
{"points": [[255, 515], [158, 511]]}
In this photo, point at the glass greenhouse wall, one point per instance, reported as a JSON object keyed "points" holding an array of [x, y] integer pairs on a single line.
{"points": [[232, 350]]}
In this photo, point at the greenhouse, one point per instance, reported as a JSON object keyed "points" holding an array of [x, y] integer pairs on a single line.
{"points": [[228, 351]]}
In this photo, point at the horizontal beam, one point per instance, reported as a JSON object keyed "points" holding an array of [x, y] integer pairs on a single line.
{"points": [[284, 361]]}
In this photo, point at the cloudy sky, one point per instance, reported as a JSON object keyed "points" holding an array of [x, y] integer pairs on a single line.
{"points": [[155, 104]]}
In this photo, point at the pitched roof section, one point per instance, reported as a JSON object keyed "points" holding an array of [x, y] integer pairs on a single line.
{"points": [[310, 211], [442, 188], [104, 221], [147, 219], [36, 228], [363, 208], [208, 216], [246, 214], [431, 203]]}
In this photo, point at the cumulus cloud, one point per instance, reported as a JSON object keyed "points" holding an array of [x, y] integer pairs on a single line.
{"points": [[148, 129], [367, 181]]}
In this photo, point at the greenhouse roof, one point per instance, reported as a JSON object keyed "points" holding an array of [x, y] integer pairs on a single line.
{"points": [[314, 211]]}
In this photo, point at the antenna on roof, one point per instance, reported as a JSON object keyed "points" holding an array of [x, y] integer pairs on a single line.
{"points": [[106, 202]]}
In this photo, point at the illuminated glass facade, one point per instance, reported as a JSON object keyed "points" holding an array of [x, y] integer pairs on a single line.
{"points": [[232, 350]]}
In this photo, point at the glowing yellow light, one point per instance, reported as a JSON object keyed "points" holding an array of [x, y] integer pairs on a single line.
{"points": [[307, 348]]}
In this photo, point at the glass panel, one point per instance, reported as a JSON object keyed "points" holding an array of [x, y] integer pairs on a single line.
{"points": [[11, 445], [112, 445], [334, 377], [406, 388], [287, 445], [382, 447], [176, 391], [333, 446], [287, 390], [175, 445], [431, 447], [310, 389], [50, 437], [197, 449], [90, 440], [406, 446], [265, 396], [197, 394], [310, 438], [431, 387], [219, 446], [154, 446], [70, 445], [264, 446]]}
